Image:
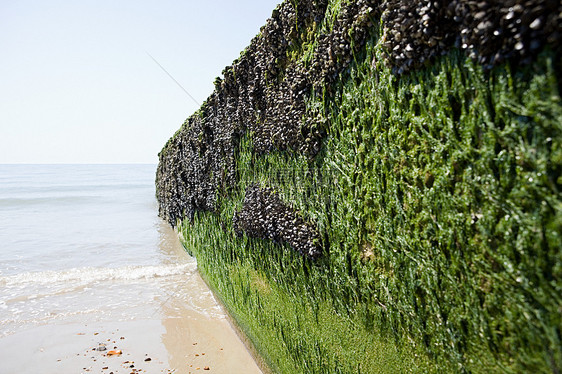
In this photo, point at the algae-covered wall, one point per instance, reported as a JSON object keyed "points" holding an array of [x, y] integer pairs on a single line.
{"points": [[374, 186]]}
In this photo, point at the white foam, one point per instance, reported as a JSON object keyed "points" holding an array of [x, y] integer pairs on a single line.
{"points": [[89, 275]]}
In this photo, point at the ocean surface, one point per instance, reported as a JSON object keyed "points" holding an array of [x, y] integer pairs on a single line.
{"points": [[84, 244]]}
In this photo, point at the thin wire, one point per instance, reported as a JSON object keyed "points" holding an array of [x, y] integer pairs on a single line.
{"points": [[174, 79]]}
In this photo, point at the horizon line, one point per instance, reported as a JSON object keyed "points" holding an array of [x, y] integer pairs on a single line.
{"points": [[78, 163]]}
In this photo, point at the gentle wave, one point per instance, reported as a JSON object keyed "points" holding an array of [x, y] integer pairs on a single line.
{"points": [[65, 194], [92, 275], [55, 201], [45, 188]]}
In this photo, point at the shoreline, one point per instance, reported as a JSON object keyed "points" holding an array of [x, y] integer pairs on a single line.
{"points": [[173, 339], [260, 361], [240, 332]]}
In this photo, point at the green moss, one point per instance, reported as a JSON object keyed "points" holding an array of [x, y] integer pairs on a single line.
{"points": [[279, 320], [437, 195]]}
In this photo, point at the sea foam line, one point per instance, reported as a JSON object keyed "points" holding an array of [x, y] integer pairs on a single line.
{"points": [[96, 274]]}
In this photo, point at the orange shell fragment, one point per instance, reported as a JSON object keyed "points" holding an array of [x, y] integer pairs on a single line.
{"points": [[116, 352]]}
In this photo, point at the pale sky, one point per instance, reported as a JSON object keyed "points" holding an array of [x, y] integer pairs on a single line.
{"points": [[77, 85]]}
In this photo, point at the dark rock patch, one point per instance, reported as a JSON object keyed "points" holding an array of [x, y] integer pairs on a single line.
{"points": [[265, 216], [491, 32]]}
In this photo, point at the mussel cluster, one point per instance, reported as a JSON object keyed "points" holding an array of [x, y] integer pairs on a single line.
{"points": [[265, 216], [271, 89], [199, 160], [193, 165], [491, 32], [264, 91], [280, 123], [334, 50], [332, 55]]}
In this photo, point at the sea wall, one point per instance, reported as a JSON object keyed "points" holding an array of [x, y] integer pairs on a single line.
{"points": [[374, 186]]}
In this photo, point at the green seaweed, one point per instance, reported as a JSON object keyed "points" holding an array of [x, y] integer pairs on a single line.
{"points": [[437, 196]]}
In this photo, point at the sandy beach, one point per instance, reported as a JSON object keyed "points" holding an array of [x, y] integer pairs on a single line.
{"points": [[183, 341], [100, 272]]}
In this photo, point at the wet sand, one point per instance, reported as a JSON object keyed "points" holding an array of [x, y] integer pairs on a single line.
{"points": [[173, 325], [177, 339], [85, 261]]}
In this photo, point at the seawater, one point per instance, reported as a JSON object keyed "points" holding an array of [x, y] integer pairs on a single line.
{"points": [[84, 244]]}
